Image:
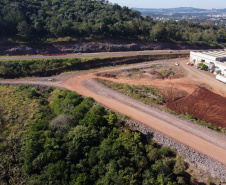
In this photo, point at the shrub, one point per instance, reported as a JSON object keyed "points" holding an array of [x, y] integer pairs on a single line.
{"points": [[179, 167], [33, 93], [203, 66], [61, 122]]}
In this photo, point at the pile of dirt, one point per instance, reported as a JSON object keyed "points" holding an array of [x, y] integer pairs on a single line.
{"points": [[203, 104]]}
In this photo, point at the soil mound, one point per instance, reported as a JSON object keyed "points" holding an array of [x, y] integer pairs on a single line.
{"points": [[203, 104]]}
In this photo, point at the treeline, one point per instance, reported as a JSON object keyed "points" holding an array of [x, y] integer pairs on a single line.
{"points": [[74, 141], [37, 21]]}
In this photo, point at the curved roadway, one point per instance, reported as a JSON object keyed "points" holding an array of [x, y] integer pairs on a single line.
{"points": [[194, 136], [204, 141]]}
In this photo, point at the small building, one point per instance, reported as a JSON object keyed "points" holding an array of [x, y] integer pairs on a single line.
{"points": [[214, 59]]}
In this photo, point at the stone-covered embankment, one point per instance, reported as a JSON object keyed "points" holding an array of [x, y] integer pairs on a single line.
{"points": [[194, 158]]}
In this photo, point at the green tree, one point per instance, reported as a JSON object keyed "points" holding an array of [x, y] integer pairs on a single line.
{"points": [[179, 167], [24, 29], [158, 31]]}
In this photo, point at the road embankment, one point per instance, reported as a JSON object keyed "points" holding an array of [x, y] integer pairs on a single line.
{"points": [[192, 157], [43, 68]]}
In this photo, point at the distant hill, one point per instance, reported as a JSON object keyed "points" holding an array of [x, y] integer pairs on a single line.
{"points": [[177, 10]]}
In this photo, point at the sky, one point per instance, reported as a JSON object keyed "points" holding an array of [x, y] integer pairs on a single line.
{"points": [[206, 4]]}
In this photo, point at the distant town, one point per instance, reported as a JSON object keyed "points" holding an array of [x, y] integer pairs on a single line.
{"points": [[215, 16]]}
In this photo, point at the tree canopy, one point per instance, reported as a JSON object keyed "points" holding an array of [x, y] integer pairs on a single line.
{"points": [[33, 20], [70, 140]]}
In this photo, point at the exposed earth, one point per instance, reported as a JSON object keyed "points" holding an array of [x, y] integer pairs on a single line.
{"points": [[203, 104], [186, 83], [92, 46], [181, 95]]}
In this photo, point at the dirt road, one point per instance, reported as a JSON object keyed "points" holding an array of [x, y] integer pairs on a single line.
{"points": [[194, 136], [204, 141]]}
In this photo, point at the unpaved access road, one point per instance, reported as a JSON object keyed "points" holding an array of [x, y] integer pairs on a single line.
{"points": [[199, 138], [203, 140]]}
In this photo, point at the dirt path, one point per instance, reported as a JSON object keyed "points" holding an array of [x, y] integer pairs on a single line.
{"points": [[203, 140], [194, 136]]}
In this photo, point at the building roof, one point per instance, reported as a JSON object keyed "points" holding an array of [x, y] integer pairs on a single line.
{"points": [[217, 55]]}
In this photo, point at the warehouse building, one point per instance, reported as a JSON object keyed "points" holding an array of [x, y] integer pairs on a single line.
{"points": [[214, 59]]}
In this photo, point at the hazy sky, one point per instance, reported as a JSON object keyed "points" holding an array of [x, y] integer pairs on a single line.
{"points": [[207, 4]]}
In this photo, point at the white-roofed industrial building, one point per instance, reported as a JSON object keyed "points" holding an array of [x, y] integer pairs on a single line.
{"points": [[214, 59]]}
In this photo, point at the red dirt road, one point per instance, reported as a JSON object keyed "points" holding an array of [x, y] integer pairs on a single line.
{"points": [[213, 145]]}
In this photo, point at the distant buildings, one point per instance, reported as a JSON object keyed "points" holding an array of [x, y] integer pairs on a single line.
{"points": [[214, 59]]}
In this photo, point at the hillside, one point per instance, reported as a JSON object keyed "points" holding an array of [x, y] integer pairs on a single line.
{"points": [[96, 45], [61, 18], [45, 21]]}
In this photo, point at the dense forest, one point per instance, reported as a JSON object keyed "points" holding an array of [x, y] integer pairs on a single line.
{"points": [[43, 20], [52, 136]]}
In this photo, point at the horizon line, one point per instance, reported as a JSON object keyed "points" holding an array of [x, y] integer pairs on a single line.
{"points": [[185, 7]]}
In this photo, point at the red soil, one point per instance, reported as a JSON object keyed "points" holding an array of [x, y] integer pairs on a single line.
{"points": [[203, 104]]}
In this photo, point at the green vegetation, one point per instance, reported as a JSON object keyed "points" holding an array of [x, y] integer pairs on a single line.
{"points": [[167, 72], [198, 121], [20, 107], [48, 67], [141, 92], [136, 70], [172, 111], [45, 67], [66, 20], [203, 123], [203, 66], [66, 139]]}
